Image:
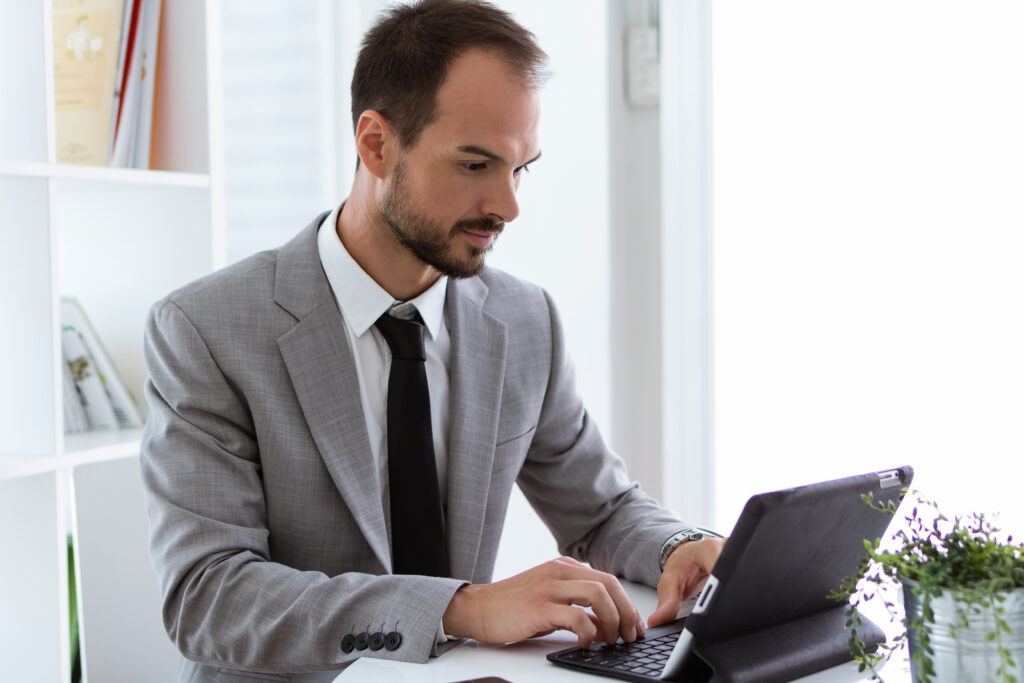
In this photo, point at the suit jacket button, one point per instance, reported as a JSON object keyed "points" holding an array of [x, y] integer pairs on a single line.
{"points": [[377, 641], [348, 643], [362, 640], [393, 640]]}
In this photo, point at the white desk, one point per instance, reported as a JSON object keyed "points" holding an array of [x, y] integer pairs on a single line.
{"points": [[526, 661]]}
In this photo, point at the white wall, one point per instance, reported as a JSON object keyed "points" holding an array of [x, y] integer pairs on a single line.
{"points": [[634, 196]]}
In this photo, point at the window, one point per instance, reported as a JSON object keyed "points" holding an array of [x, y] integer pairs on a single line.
{"points": [[868, 247], [278, 120]]}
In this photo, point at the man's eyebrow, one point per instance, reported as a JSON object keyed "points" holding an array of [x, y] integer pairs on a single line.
{"points": [[474, 149]]}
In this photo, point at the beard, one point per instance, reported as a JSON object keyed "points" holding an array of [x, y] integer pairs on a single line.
{"points": [[427, 239]]}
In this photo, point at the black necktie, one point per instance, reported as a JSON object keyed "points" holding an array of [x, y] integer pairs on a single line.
{"points": [[417, 525]]}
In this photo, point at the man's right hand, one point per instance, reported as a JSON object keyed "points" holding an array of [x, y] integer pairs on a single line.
{"points": [[546, 598]]}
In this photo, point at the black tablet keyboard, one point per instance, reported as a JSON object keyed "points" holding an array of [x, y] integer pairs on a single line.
{"points": [[641, 657]]}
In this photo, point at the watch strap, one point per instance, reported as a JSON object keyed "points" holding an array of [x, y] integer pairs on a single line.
{"points": [[683, 536]]}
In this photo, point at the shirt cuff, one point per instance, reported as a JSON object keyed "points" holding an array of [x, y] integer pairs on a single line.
{"points": [[442, 637]]}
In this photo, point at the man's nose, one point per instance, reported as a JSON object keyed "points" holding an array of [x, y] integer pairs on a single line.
{"points": [[502, 205]]}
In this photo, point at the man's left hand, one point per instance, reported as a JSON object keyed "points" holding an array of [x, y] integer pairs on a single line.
{"points": [[686, 570]]}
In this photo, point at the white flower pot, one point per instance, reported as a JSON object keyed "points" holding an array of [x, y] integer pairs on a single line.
{"points": [[965, 654]]}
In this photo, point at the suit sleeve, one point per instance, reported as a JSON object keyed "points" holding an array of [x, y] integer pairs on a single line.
{"points": [[225, 602], [580, 489]]}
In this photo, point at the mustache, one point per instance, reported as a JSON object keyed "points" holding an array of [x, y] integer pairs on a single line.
{"points": [[481, 225]]}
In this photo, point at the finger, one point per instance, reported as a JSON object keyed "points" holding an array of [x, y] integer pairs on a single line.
{"points": [[669, 597], [594, 620], [664, 613], [573, 619], [641, 628], [592, 594], [628, 623]]}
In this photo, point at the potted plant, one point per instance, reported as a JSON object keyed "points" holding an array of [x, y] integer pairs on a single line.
{"points": [[962, 584]]}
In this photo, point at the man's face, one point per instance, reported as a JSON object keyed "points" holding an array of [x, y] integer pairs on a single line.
{"points": [[451, 193]]}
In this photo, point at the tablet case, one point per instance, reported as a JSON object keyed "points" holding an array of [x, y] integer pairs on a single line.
{"points": [[764, 614], [790, 628], [782, 652]]}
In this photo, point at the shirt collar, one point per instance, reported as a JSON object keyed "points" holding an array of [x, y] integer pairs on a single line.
{"points": [[359, 297]]}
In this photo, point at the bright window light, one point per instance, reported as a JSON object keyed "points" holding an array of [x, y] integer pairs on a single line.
{"points": [[869, 247]]}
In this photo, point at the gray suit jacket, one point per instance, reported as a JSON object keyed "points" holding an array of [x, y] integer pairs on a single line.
{"points": [[267, 528]]}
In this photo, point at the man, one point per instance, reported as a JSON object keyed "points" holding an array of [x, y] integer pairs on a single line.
{"points": [[300, 516]]}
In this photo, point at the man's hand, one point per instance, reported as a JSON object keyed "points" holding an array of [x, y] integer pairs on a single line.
{"points": [[686, 570], [545, 599]]}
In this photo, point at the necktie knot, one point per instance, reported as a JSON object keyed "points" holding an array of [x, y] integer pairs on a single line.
{"points": [[404, 337]]}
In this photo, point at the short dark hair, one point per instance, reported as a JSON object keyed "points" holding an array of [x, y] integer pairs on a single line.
{"points": [[405, 57]]}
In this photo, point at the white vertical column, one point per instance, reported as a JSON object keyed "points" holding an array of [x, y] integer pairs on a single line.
{"points": [[686, 257], [30, 408], [24, 115], [214, 124]]}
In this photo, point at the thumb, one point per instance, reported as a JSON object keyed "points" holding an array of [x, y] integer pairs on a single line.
{"points": [[668, 606]]}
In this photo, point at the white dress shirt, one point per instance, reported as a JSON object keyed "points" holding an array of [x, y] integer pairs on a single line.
{"points": [[361, 301]]}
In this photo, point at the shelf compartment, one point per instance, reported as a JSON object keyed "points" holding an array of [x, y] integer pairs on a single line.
{"points": [[112, 255]]}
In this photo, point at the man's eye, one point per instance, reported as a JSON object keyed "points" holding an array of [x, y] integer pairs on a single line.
{"points": [[520, 169], [475, 166]]}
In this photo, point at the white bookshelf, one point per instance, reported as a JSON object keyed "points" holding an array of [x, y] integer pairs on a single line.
{"points": [[117, 240]]}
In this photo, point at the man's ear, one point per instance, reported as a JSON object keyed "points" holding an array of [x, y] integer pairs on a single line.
{"points": [[375, 143]]}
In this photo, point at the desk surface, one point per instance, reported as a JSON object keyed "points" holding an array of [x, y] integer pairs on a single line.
{"points": [[526, 661]]}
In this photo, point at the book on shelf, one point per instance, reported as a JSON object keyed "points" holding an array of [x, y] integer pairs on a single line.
{"points": [[132, 141], [75, 419], [104, 67], [150, 39], [86, 36], [98, 386], [131, 20]]}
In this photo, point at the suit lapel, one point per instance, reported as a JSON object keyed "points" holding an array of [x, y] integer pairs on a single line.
{"points": [[477, 370], [323, 373]]}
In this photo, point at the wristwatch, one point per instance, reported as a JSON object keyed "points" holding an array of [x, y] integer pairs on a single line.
{"points": [[681, 537]]}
